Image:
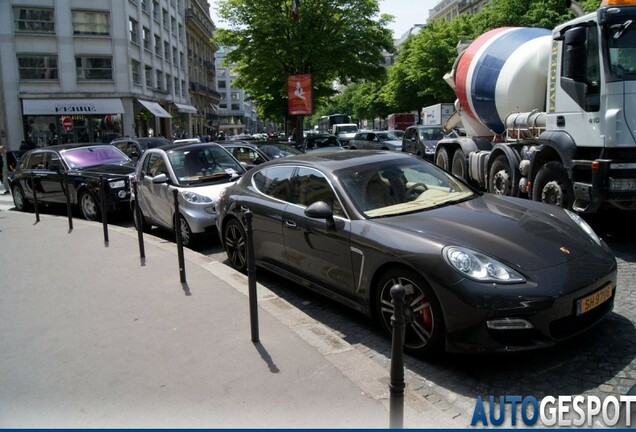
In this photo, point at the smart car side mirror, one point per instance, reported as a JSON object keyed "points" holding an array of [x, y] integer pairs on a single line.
{"points": [[160, 178]]}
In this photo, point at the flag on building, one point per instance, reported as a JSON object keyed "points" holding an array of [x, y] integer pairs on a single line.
{"points": [[294, 12]]}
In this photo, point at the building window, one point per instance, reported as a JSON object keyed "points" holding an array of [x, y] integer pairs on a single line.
{"points": [[174, 55], [173, 26], [159, 80], [37, 67], [135, 69], [155, 10], [144, 5], [164, 14], [168, 84], [222, 84], [133, 28], [148, 74], [183, 88], [181, 61], [146, 36], [94, 68], [181, 32], [34, 20], [176, 86], [91, 23], [235, 107], [166, 51], [158, 45]]}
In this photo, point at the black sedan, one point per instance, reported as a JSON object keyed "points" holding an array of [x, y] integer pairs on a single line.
{"points": [[47, 170], [253, 153], [482, 272]]}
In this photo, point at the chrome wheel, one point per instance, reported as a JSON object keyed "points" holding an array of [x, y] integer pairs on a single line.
{"points": [[19, 201], [88, 206]]}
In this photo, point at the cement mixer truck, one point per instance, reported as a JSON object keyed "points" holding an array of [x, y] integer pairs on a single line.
{"points": [[550, 115]]}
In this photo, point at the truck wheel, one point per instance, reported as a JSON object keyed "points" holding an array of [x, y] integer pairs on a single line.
{"points": [[441, 158], [500, 178], [459, 164], [553, 186]]}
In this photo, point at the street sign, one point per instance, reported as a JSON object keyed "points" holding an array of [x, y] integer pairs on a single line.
{"points": [[67, 123]]}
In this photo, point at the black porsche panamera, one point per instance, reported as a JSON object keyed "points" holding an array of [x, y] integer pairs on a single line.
{"points": [[482, 272]]}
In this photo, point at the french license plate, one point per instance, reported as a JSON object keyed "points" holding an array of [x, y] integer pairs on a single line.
{"points": [[593, 300]]}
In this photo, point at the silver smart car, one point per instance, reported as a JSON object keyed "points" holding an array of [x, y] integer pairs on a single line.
{"points": [[198, 172]]}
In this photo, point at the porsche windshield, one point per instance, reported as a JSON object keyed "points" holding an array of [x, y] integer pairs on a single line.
{"points": [[401, 186]]}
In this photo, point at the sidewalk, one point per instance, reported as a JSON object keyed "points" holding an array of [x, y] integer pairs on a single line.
{"points": [[92, 337]]}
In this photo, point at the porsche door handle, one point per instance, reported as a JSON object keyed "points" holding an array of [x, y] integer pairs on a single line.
{"points": [[290, 224]]}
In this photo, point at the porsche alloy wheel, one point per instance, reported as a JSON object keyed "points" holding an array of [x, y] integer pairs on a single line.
{"points": [[235, 242], [424, 330]]}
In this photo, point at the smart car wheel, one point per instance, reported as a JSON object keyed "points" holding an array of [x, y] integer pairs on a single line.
{"points": [[88, 206], [19, 200], [140, 222], [187, 238], [424, 331], [235, 242]]}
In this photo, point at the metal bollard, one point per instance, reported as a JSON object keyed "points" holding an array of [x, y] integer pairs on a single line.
{"points": [[177, 229], [69, 208], [102, 198], [251, 277], [35, 199], [396, 385], [140, 233]]}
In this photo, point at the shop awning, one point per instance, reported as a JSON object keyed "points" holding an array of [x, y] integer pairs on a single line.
{"points": [[185, 108], [154, 108], [71, 106]]}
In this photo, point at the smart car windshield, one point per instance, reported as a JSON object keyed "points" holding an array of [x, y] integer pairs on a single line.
{"points": [[207, 164], [402, 186], [83, 157]]}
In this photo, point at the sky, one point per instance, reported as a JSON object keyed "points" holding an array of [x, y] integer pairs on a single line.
{"points": [[406, 12]]}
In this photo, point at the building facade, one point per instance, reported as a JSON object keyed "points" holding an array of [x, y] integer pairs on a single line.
{"points": [[90, 70], [236, 115], [201, 68]]}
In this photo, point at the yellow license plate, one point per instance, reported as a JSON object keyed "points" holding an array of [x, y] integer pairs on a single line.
{"points": [[593, 300]]}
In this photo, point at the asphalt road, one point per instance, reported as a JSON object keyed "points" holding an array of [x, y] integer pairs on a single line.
{"points": [[600, 362]]}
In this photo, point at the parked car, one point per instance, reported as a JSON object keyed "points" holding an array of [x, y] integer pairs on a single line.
{"points": [[13, 158], [186, 141], [376, 140], [482, 272], [46, 170], [198, 172], [253, 153], [320, 142], [134, 147], [421, 140]]}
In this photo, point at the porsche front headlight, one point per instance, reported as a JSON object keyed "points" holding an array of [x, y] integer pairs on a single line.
{"points": [[480, 267], [584, 226]]}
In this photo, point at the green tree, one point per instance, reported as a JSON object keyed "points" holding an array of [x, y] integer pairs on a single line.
{"points": [[334, 40], [417, 77]]}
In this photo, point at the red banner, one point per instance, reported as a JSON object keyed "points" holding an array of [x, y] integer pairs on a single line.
{"points": [[299, 94]]}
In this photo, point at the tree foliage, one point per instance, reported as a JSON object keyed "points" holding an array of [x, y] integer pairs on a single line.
{"points": [[334, 40], [416, 78]]}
